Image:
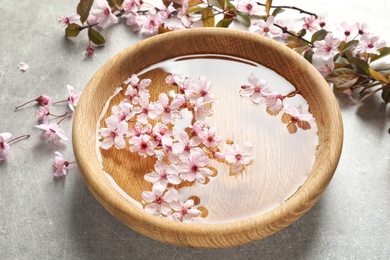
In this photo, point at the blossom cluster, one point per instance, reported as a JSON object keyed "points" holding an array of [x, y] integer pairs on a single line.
{"points": [[259, 91], [150, 128], [343, 53]]}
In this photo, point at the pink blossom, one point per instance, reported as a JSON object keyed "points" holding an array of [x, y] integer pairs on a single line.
{"points": [[164, 174], [287, 25], [168, 112], [64, 21], [298, 113], [296, 116], [123, 111], [370, 44], [4, 146], [182, 14], [209, 137], [363, 28], [310, 23], [73, 97], [239, 158], [114, 133], [185, 145], [202, 110], [139, 85], [253, 90], [42, 101], [327, 48], [159, 199], [273, 100], [89, 52], [327, 68], [195, 168], [60, 166], [136, 21], [103, 13], [145, 110], [347, 30], [160, 130], [200, 90], [53, 133], [185, 212], [140, 129], [131, 6], [153, 21], [23, 66], [250, 7], [132, 94], [143, 145], [267, 28]]}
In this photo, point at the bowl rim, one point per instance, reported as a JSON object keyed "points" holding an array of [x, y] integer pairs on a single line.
{"points": [[208, 235]]}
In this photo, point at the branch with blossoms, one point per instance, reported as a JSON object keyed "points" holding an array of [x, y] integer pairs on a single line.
{"points": [[347, 54]]}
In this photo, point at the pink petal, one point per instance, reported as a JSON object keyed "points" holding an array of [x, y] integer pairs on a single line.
{"points": [[148, 196], [151, 208], [170, 195], [23, 66]]}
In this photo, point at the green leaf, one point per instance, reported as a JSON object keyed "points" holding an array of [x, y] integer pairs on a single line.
{"points": [[268, 6], [343, 78], [302, 32], [386, 94], [244, 19], [224, 22], [309, 55], [208, 17], [377, 76], [83, 9], [195, 10], [96, 37], [319, 35], [277, 11], [72, 30], [384, 51], [119, 2], [350, 45], [218, 3], [229, 5], [360, 65]]}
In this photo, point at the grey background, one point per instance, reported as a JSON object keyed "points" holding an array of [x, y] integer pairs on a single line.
{"points": [[46, 218]]}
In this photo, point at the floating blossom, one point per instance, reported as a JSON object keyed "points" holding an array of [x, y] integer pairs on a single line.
{"points": [[73, 97], [5, 142], [195, 168], [89, 52], [327, 48], [267, 28], [200, 90], [140, 129], [139, 85], [370, 44], [160, 130], [185, 145], [164, 174], [202, 110], [113, 133], [185, 212], [143, 145], [42, 101], [209, 137], [294, 117], [145, 110], [123, 111], [103, 13], [23, 66], [52, 132], [239, 158], [167, 112], [254, 90], [159, 199], [64, 21], [273, 101], [250, 7]]}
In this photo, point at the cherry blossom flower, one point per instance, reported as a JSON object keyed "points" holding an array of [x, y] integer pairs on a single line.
{"points": [[254, 90], [296, 116], [164, 174], [287, 25], [195, 168], [185, 145], [182, 14], [132, 94], [43, 113], [73, 97], [64, 21], [103, 13], [370, 44], [209, 137], [139, 85], [143, 145], [160, 130], [326, 68], [200, 90], [168, 112], [310, 23], [239, 158], [23, 66], [267, 28], [202, 110], [273, 100], [60, 166], [159, 199], [140, 129], [4, 146], [131, 6], [89, 52], [136, 21], [152, 22], [250, 7], [185, 212], [52, 132], [327, 48], [42, 101], [145, 110], [114, 133], [347, 30], [123, 111], [362, 28]]}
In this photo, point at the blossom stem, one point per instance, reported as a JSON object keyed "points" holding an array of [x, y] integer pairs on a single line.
{"points": [[16, 108], [17, 138], [292, 34], [61, 101], [65, 116], [58, 116], [293, 8], [88, 26]]}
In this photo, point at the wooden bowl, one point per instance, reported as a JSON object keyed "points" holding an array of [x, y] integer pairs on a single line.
{"points": [[248, 46]]}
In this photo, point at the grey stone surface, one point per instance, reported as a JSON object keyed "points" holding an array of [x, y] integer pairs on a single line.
{"points": [[46, 218]]}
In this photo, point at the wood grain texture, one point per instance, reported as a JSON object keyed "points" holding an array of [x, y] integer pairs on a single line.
{"points": [[205, 41]]}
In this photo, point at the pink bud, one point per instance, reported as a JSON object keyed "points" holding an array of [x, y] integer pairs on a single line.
{"points": [[219, 155], [43, 100]]}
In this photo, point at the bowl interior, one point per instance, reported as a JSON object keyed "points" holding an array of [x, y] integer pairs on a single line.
{"points": [[128, 170]]}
